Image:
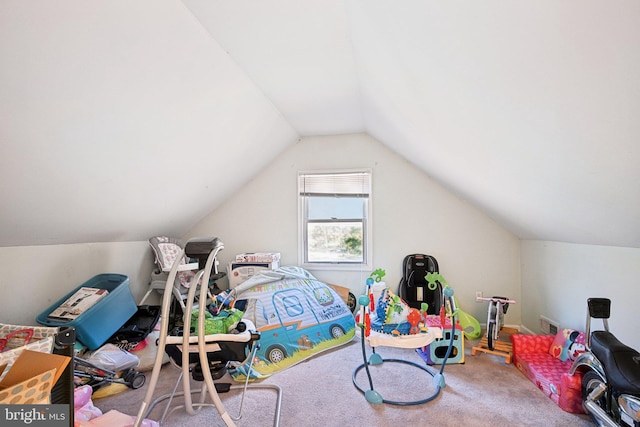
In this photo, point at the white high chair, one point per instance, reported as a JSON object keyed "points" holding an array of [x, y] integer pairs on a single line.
{"points": [[207, 351], [168, 250]]}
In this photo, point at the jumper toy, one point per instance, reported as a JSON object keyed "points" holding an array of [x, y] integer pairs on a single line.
{"points": [[386, 320]]}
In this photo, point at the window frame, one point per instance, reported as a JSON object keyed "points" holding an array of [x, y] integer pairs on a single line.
{"points": [[367, 224]]}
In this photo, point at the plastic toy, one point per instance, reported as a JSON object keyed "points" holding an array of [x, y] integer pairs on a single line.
{"points": [[434, 353], [392, 335], [221, 323], [470, 325]]}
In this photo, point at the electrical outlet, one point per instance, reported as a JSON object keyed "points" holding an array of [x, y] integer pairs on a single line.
{"points": [[478, 295]]}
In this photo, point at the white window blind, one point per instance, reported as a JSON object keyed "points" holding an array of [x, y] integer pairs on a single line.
{"points": [[356, 184]]}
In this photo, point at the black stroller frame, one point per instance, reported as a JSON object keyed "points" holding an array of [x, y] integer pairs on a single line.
{"points": [[98, 376]]}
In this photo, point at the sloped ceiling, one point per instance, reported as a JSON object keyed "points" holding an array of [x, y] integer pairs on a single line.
{"points": [[529, 110]]}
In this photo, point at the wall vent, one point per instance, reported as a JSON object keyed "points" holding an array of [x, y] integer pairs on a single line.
{"points": [[548, 326]]}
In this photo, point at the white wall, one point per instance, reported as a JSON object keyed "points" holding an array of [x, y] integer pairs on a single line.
{"points": [[129, 112], [557, 279], [35, 277], [411, 214]]}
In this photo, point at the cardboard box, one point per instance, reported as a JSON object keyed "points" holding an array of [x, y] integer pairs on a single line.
{"points": [[82, 300], [272, 257], [31, 378], [9, 357], [238, 272], [39, 332], [341, 291]]}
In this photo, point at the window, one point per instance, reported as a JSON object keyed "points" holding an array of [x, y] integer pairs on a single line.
{"points": [[335, 218]]}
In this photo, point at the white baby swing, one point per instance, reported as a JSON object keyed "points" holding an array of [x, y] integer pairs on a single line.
{"points": [[417, 338], [207, 351]]}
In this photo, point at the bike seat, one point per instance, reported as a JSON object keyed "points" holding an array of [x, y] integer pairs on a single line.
{"points": [[619, 360]]}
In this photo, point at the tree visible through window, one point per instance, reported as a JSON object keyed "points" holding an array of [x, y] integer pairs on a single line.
{"points": [[335, 217]]}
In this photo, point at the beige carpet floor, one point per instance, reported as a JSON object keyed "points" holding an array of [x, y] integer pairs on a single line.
{"points": [[482, 391]]}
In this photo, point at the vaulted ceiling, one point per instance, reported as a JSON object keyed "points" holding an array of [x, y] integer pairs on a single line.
{"points": [[529, 110]]}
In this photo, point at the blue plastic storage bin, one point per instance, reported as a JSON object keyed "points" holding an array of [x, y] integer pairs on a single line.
{"points": [[96, 325]]}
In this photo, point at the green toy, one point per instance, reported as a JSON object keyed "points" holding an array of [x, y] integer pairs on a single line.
{"points": [[433, 279], [470, 325], [220, 324], [378, 274]]}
